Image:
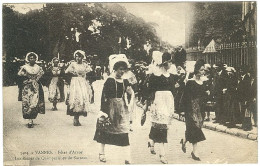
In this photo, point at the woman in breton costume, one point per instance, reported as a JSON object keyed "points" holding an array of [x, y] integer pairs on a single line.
{"points": [[194, 96], [78, 101], [130, 76], [114, 106], [56, 85], [161, 86], [32, 93]]}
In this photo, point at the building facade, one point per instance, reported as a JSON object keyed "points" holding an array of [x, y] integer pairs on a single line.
{"points": [[249, 19]]}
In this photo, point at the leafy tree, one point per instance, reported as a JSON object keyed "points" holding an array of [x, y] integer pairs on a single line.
{"points": [[216, 20], [104, 28]]}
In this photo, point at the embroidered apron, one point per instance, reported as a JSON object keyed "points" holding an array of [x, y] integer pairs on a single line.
{"points": [[119, 114]]}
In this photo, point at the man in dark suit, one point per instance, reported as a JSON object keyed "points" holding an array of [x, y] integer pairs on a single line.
{"points": [[243, 87], [219, 92], [231, 103], [180, 57]]}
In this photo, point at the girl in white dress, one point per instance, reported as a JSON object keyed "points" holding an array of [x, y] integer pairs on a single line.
{"points": [[79, 91]]}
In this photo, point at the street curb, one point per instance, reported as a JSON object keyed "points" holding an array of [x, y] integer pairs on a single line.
{"points": [[224, 129], [220, 128]]}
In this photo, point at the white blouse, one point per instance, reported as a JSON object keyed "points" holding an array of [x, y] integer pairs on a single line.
{"points": [[79, 70]]}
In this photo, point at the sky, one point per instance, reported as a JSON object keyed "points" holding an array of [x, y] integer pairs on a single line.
{"points": [[24, 8], [170, 17]]}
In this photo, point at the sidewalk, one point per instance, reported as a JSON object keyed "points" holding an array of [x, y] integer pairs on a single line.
{"points": [[252, 134]]}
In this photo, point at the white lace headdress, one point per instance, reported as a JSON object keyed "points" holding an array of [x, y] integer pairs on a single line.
{"points": [[81, 52], [28, 54], [113, 59]]}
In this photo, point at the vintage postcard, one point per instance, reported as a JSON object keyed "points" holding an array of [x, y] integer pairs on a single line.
{"points": [[129, 83]]}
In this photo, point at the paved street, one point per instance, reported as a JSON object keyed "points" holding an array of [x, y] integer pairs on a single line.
{"points": [[56, 134]]}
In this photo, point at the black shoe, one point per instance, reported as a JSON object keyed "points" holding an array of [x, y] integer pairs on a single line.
{"points": [[183, 147], [92, 100], [127, 162], [194, 157], [54, 109], [151, 148], [78, 124], [30, 125]]}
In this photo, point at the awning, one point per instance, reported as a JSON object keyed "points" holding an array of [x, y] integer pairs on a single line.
{"points": [[211, 47]]}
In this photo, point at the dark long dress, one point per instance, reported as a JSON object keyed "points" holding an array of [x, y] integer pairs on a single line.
{"points": [[158, 132], [113, 104], [194, 95], [232, 110]]}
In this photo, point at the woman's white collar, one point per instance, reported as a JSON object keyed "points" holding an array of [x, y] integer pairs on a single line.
{"points": [[160, 72]]}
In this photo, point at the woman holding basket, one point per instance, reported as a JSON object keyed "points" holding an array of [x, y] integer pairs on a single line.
{"points": [[114, 115]]}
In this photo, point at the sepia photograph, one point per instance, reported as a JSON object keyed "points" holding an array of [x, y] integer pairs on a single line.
{"points": [[118, 83]]}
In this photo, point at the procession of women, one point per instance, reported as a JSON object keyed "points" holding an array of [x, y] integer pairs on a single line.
{"points": [[163, 87]]}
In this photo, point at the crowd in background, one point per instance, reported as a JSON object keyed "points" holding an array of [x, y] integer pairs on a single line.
{"points": [[232, 92]]}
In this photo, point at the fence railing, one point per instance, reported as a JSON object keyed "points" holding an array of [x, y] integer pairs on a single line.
{"points": [[232, 54]]}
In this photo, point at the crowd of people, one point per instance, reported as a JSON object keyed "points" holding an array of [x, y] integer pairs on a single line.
{"points": [[164, 87], [229, 93], [232, 93]]}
